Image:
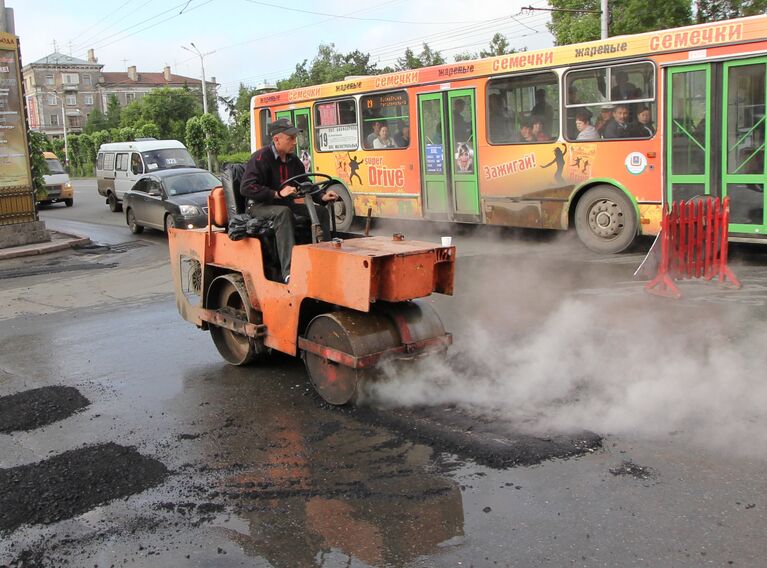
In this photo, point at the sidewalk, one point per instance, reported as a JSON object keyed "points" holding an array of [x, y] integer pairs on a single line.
{"points": [[59, 241]]}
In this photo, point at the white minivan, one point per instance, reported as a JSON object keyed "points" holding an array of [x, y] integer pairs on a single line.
{"points": [[119, 165]]}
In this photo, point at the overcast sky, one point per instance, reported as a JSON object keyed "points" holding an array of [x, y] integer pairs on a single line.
{"points": [[253, 41]]}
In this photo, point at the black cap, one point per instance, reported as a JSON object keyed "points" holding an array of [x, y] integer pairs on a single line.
{"points": [[283, 126]]}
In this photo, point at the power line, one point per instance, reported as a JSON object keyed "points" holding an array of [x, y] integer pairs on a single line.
{"points": [[353, 17], [111, 13]]}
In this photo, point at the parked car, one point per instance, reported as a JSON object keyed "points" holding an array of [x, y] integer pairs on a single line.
{"points": [[169, 198], [119, 165], [58, 186]]}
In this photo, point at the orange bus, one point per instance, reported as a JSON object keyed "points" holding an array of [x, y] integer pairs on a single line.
{"points": [[595, 135]]}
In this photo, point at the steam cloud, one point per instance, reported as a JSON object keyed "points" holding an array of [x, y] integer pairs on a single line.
{"points": [[637, 365]]}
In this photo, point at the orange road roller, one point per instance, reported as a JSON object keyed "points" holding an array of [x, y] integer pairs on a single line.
{"points": [[351, 302]]}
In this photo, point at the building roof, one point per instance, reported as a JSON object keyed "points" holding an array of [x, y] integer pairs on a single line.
{"points": [[61, 59], [111, 79]]}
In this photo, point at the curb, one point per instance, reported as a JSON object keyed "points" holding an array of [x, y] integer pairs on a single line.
{"points": [[69, 241]]}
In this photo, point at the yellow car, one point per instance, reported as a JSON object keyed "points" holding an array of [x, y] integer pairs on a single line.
{"points": [[58, 186]]}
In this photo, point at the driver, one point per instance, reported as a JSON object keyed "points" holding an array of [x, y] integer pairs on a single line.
{"points": [[266, 170]]}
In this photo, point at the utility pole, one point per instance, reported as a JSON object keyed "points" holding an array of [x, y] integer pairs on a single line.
{"points": [[605, 19], [64, 124], [204, 87]]}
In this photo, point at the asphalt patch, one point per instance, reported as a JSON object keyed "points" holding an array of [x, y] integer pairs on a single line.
{"points": [[631, 469], [491, 443], [38, 407], [30, 270], [73, 483]]}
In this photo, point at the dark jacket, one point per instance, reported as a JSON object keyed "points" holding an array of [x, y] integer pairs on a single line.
{"points": [[265, 172], [614, 129]]}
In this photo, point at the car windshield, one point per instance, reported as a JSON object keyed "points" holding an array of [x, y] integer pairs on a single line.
{"points": [[54, 167], [167, 158], [190, 183]]}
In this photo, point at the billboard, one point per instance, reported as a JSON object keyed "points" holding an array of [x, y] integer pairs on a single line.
{"points": [[14, 158]]}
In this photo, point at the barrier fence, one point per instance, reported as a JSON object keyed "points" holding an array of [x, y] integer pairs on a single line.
{"points": [[694, 240], [17, 205]]}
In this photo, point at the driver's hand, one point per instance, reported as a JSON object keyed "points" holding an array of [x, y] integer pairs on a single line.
{"points": [[287, 191], [330, 195]]}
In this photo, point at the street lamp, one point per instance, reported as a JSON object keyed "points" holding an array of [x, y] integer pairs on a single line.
{"points": [[204, 89]]}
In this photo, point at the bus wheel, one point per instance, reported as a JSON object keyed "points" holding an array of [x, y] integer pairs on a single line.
{"points": [[343, 208], [605, 220]]}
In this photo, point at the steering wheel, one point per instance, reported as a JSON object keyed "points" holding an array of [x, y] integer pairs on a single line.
{"points": [[306, 186]]}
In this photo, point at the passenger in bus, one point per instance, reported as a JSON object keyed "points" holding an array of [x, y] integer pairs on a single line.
{"points": [[618, 126], [538, 130], [500, 124], [402, 139], [383, 140], [624, 89], [543, 109], [643, 127], [373, 135], [266, 170], [605, 116], [586, 131], [526, 132], [461, 126]]}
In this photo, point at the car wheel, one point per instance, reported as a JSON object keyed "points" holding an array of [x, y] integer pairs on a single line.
{"points": [[168, 224], [69, 202], [605, 220], [135, 228], [114, 205]]}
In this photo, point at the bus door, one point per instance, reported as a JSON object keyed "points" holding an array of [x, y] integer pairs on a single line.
{"points": [[743, 155], [719, 153], [448, 155], [301, 118]]}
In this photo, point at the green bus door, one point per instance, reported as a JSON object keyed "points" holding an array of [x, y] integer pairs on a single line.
{"points": [[743, 155], [719, 153], [448, 156], [302, 119]]}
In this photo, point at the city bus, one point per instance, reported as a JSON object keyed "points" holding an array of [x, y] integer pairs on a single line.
{"points": [[595, 136]]}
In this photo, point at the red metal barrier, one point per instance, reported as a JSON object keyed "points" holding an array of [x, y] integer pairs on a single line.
{"points": [[693, 245]]}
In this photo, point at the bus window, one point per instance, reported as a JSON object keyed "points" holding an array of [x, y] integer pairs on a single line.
{"points": [[523, 110], [386, 121], [122, 163], [611, 102], [264, 120], [335, 125]]}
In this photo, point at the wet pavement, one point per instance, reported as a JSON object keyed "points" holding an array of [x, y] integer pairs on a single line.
{"points": [[576, 422]]}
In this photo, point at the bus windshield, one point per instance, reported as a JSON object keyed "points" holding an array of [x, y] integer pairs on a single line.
{"points": [[54, 167]]}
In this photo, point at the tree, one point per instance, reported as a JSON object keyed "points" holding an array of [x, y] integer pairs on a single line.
{"points": [[238, 108], [113, 111], [37, 145], [626, 17], [96, 121], [328, 66], [426, 58], [715, 10], [194, 137], [498, 46]]}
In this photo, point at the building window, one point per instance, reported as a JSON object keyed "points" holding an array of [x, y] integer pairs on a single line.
{"points": [[70, 78], [52, 99], [49, 80], [87, 80], [130, 97], [88, 99], [54, 119], [74, 121], [335, 125], [386, 121], [71, 100]]}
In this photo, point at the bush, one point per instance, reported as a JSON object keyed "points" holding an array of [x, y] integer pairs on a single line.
{"points": [[235, 158]]}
